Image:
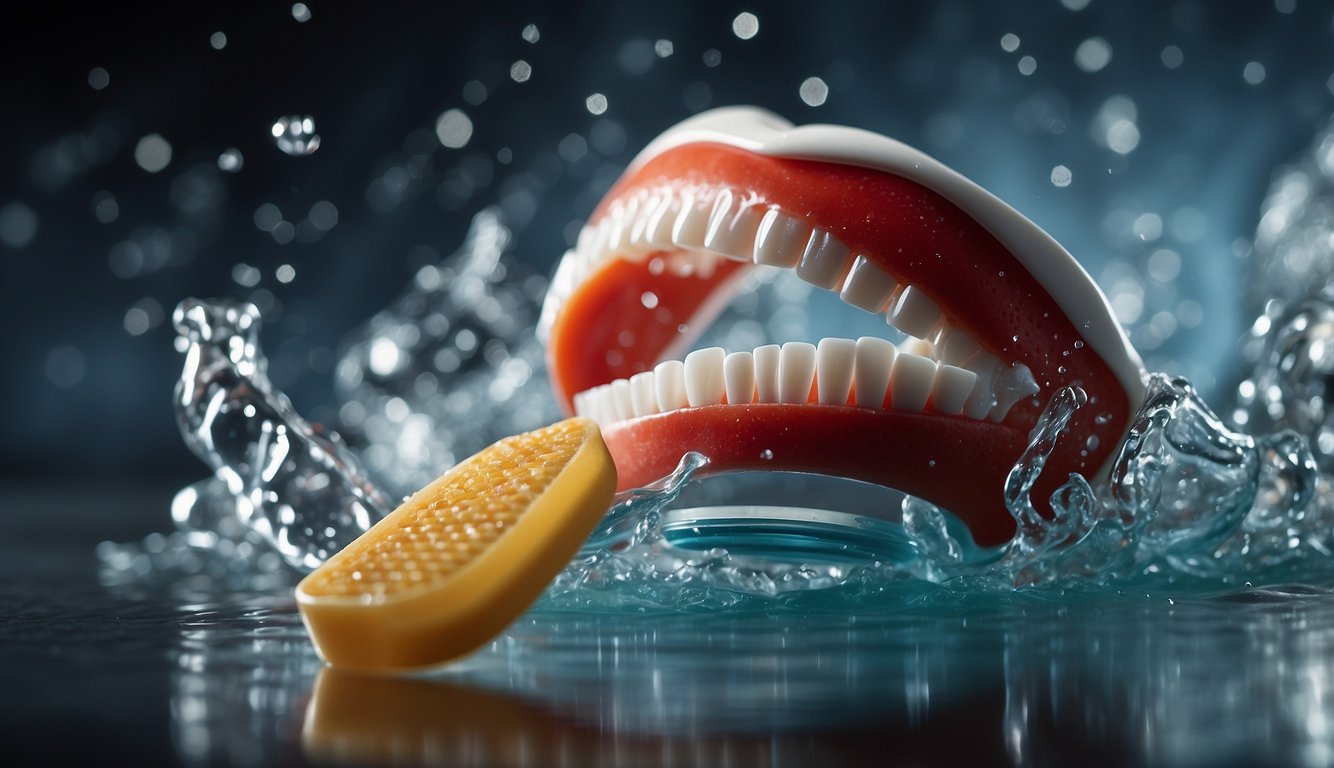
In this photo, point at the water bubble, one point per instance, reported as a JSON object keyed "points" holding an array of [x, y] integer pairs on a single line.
{"points": [[712, 57], [105, 207], [1093, 54], [218, 40], [323, 215], [596, 103], [231, 160], [98, 78], [152, 153], [1253, 73], [649, 299], [1027, 66], [301, 12], [18, 225], [1122, 137], [1172, 57], [1009, 42], [285, 273], [474, 92], [453, 128], [65, 366], [767, 454], [295, 135], [746, 25], [636, 56], [530, 34], [813, 91], [267, 216], [663, 48], [520, 71], [1061, 176]]}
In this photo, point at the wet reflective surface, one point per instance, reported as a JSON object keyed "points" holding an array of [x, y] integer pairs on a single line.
{"points": [[195, 673]]}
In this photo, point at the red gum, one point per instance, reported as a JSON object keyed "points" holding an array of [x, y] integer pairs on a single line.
{"points": [[922, 453], [918, 237]]}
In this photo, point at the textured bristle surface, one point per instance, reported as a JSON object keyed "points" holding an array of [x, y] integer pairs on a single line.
{"points": [[452, 521]]}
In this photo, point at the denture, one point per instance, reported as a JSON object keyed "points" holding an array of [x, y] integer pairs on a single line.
{"points": [[997, 318]]}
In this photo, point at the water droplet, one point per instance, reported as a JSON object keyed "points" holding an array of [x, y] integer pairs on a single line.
{"points": [[152, 153], [1009, 42], [1061, 176], [712, 57], [520, 71], [1079, 345], [1254, 73], [767, 454], [218, 40], [1027, 66], [1093, 54], [301, 12], [98, 78], [596, 103], [18, 225], [649, 299], [453, 128], [663, 48], [746, 25], [295, 135], [231, 160], [531, 34], [814, 91]]}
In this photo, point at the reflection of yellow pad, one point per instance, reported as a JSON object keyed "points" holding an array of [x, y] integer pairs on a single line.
{"points": [[362, 720], [464, 556]]}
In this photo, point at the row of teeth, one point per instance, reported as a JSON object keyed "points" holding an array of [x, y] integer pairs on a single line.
{"points": [[688, 230], [869, 372]]}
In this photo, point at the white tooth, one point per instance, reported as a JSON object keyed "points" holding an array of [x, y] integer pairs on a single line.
{"points": [[957, 346], [918, 346], [621, 400], [597, 406], [639, 226], [867, 286], [586, 235], [796, 372], [669, 385], [914, 313], [581, 404], [704, 376], [825, 260], [910, 382], [733, 235], [642, 396], [780, 239], [875, 359], [766, 373], [950, 391], [835, 361], [739, 377], [658, 233], [597, 244], [1012, 385], [987, 366], [620, 219], [692, 223]]}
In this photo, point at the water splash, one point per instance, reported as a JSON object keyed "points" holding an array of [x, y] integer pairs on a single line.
{"points": [[451, 366], [1187, 496], [292, 483]]}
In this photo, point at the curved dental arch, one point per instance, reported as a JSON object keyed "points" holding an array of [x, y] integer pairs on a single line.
{"points": [[892, 232]]}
